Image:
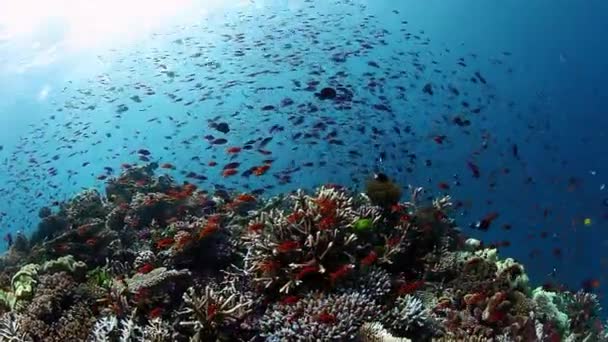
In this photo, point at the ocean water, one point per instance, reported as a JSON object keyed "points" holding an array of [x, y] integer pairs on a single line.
{"points": [[518, 91]]}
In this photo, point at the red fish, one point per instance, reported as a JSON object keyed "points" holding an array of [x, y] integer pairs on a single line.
{"points": [[341, 272], [411, 287], [369, 259], [306, 270], [260, 170], [439, 139], [443, 186], [245, 198], [288, 246], [485, 223], [155, 313], [212, 163], [164, 242], [289, 300], [256, 227], [229, 172], [326, 318], [146, 268], [233, 150]]}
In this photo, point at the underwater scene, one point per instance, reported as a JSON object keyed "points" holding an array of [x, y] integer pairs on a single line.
{"points": [[303, 170]]}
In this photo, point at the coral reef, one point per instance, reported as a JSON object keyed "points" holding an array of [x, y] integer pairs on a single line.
{"points": [[154, 260]]}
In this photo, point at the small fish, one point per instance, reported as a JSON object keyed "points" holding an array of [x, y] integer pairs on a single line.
{"points": [[443, 186], [287, 246], [260, 170], [219, 141], [167, 166], [439, 139], [143, 152], [233, 150], [229, 172], [474, 169], [232, 165], [9, 239], [484, 224]]}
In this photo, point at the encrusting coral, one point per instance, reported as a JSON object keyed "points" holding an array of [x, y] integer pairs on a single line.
{"points": [[155, 260]]}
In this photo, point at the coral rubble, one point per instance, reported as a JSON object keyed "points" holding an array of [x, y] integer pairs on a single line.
{"points": [[154, 260]]}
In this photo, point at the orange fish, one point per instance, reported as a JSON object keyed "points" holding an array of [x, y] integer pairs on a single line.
{"points": [[260, 170], [233, 150], [164, 242], [245, 198], [183, 241], [91, 242], [411, 287], [229, 172], [211, 227]]}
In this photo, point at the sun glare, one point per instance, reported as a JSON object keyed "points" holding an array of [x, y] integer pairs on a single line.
{"points": [[79, 24]]}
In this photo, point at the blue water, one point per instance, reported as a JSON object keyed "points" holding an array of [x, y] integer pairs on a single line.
{"points": [[545, 63]]}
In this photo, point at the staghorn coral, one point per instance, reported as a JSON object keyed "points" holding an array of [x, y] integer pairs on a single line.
{"points": [[103, 329], [319, 317], [313, 241], [375, 332], [157, 331], [11, 329], [583, 310], [208, 315]]}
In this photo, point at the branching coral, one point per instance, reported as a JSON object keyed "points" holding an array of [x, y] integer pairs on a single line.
{"points": [[375, 332], [549, 306], [409, 318], [319, 317], [207, 315], [11, 330], [154, 278], [305, 266], [313, 241]]}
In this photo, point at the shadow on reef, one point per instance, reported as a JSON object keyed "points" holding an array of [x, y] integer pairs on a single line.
{"points": [[158, 261]]}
